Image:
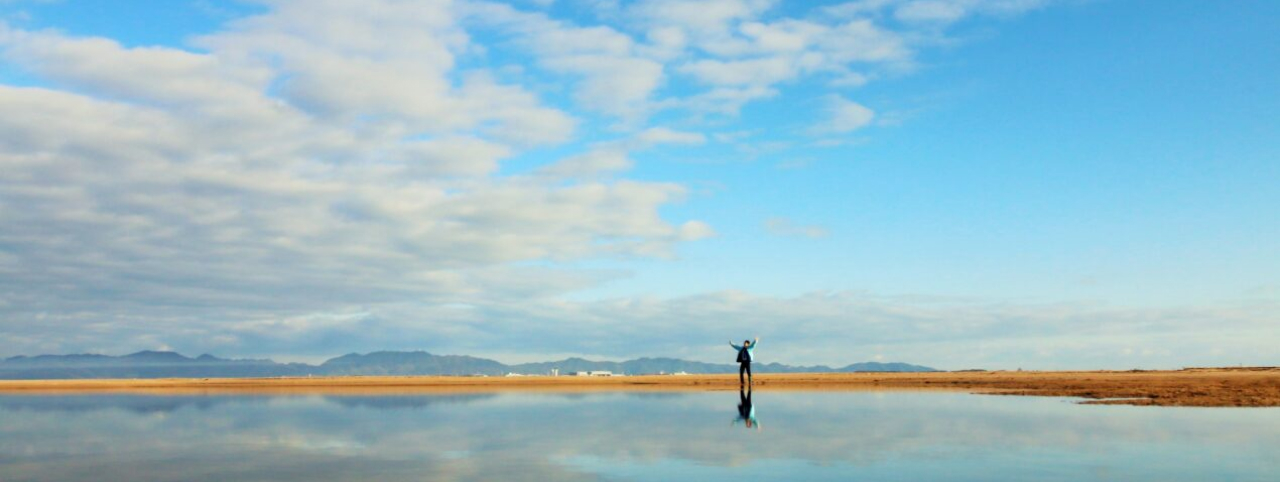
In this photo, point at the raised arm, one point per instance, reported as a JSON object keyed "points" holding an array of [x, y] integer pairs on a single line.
{"points": [[735, 347]]}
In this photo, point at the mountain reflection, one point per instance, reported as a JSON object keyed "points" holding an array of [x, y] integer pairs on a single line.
{"points": [[150, 404]]}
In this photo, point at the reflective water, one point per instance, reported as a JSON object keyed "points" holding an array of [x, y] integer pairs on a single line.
{"points": [[869, 436]]}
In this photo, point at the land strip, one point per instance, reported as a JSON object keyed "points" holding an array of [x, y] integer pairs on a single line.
{"points": [[1201, 387]]}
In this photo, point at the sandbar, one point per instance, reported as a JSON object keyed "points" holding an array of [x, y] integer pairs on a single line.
{"points": [[1199, 387]]}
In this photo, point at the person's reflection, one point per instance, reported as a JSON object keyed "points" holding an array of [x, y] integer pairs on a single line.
{"points": [[746, 410]]}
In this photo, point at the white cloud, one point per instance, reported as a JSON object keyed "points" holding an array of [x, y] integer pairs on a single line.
{"points": [[762, 71], [948, 11], [329, 172], [314, 158], [663, 135], [590, 164], [786, 227], [384, 64], [846, 116], [723, 43], [726, 100], [614, 78], [450, 156], [847, 78], [734, 48], [931, 11], [612, 156], [665, 43], [783, 36], [616, 85], [787, 49], [857, 8], [834, 328], [512, 114], [860, 40], [936, 11], [709, 24], [695, 230], [153, 75]]}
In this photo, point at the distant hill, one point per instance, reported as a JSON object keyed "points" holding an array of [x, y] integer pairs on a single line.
{"points": [[410, 363], [143, 364], [166, 364], [886, 367]]}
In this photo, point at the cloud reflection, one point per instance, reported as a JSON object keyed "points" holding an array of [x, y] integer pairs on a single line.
{"points": [[539, 436]]}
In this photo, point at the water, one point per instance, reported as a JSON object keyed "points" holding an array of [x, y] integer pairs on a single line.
{"points": [[865, 436]]}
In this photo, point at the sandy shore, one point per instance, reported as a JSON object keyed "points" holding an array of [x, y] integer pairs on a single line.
{"points": [[1243, 387]]}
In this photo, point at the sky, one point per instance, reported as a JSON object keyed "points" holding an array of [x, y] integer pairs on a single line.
{"points": [[1067, 184]]}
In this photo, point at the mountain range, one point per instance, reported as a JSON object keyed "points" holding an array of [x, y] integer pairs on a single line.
{"points": [[167, 364]]}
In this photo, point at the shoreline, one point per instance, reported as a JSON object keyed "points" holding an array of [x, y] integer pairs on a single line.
{"points": [[1199, 387]]}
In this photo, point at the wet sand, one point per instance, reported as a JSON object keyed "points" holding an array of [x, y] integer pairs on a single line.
{"points": [[1201, 387]]}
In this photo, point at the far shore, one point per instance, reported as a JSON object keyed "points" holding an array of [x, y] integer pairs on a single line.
{"points": [[1204, 387]]}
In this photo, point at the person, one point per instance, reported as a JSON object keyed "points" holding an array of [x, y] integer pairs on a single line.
{"points": [[745, 355], [746, 410]]}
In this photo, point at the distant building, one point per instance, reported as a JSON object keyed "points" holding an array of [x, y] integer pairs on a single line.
{"points": [[594, 373], [555, 372]]}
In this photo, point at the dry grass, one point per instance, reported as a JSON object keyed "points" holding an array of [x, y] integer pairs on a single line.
{"points": [[1211, 387]]}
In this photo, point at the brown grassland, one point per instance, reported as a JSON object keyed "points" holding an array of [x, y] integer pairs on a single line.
{"points": [[1201, 387]]}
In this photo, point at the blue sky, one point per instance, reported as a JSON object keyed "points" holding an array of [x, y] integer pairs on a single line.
{"points": [[1003, 183]]}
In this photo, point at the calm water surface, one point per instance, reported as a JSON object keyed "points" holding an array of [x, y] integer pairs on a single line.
{"points": [[867, 436]]}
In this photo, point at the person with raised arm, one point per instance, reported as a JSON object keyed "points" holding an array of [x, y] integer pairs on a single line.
{"points": [[745, 356]]}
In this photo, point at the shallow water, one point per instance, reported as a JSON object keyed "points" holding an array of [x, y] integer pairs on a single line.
{"points": [[866, 436]]}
